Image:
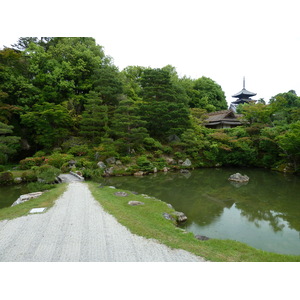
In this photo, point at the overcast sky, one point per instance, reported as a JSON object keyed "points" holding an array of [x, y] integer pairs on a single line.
{"points": [[222, 40]]}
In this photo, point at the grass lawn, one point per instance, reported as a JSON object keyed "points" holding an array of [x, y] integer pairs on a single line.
{"points": [[147, 220], [45, 200]]}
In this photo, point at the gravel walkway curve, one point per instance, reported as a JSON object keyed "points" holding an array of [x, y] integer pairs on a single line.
{"points": [[77, 229]]}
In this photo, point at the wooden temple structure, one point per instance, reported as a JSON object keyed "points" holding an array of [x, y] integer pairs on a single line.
{"points": [[229, 118], [242, 96]]}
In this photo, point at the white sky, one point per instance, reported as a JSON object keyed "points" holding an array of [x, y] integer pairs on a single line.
{"points": [[221, 39]]}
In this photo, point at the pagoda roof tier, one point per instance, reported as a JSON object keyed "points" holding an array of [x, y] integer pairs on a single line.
{"points": [[243, 93]]}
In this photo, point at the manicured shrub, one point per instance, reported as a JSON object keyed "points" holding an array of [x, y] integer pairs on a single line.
{"points": [[167, 149], [79, 150], [126, 159], [144, 164], [29, 162], [93, 174], [58, 159], [47, 173], [6, 178], [39, 154], [29, 176], [39, 186], [151, 144]]}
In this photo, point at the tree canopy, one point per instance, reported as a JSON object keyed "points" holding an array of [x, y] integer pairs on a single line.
{"points": [[66, 93]]}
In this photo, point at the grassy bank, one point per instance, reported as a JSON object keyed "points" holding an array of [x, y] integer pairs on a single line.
{"points": [[45, 200], [147, 220]]}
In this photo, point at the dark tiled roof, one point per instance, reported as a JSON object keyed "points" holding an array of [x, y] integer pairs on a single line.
{"points": [[222, 116], [243, 92]]}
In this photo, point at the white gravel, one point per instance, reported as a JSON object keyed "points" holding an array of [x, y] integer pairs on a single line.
{"points": [[77, 229]]}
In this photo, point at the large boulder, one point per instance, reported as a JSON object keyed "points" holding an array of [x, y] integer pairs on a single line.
{"points": [[238, 177], [111, 160], [101, 165], [180, 216], [26, 197], [121, 194], [18, 180], [109, 171], [168, 217], [139, 173], [187, 163], [202, 237]]}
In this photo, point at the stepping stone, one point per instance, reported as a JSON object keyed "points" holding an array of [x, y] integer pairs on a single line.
{"points": [[37, 210]]}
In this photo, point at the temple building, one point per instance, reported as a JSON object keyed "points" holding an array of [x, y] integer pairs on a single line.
{"points": [[222, 119], [229, 118], [242, 96]]}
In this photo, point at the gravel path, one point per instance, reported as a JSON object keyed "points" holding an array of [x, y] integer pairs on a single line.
{"points": [[77, 229]]}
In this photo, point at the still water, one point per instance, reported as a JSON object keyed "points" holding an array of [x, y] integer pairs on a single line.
{"points": [[264, 213], [9, 194]]}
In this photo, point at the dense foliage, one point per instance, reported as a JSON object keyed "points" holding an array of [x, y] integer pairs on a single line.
{"points": [[63, 98]]}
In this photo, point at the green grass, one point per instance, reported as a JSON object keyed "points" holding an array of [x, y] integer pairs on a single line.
{"points": [[45, 200], [147, 220]]}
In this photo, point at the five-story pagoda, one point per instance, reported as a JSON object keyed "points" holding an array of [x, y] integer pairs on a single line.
{"points": [[243, 97]]}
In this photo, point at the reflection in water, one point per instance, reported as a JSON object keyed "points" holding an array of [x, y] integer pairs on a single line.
{"points": [[265, 212], [9, 194]]}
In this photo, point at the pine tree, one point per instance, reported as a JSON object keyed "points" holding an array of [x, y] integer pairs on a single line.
{"points": [[164, 112], [94, 123], [129, 129]]}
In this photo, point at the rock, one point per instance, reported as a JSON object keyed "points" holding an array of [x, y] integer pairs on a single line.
{"points": [[239, 178], [168, 217], [155, 170], [134, 203], [170, 205], [112, 187], [165, 169], [111, 160], [184, 171], [173, 138], [180, 216], [101, 165], [72, 163], [121, 194], [139, 173], [78, 173], [135, 193], [26, 197], [187, 163], [18, 180], [109, 171], [118, 162], [202, 237], [170, 161]]}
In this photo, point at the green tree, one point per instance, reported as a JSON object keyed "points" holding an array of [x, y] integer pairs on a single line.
{"points": [[107, 82], [131, 79], [94, 123], [164, 112], [206, 92], [128, 128], [289, 142], [8, 143], [286, 108], [47, 124]]}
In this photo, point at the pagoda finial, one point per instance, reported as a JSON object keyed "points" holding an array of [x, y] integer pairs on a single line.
{"points": [[244, 82]]}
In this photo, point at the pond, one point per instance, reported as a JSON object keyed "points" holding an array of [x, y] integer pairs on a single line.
{"points": [[9, 194], [264, 213]]}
